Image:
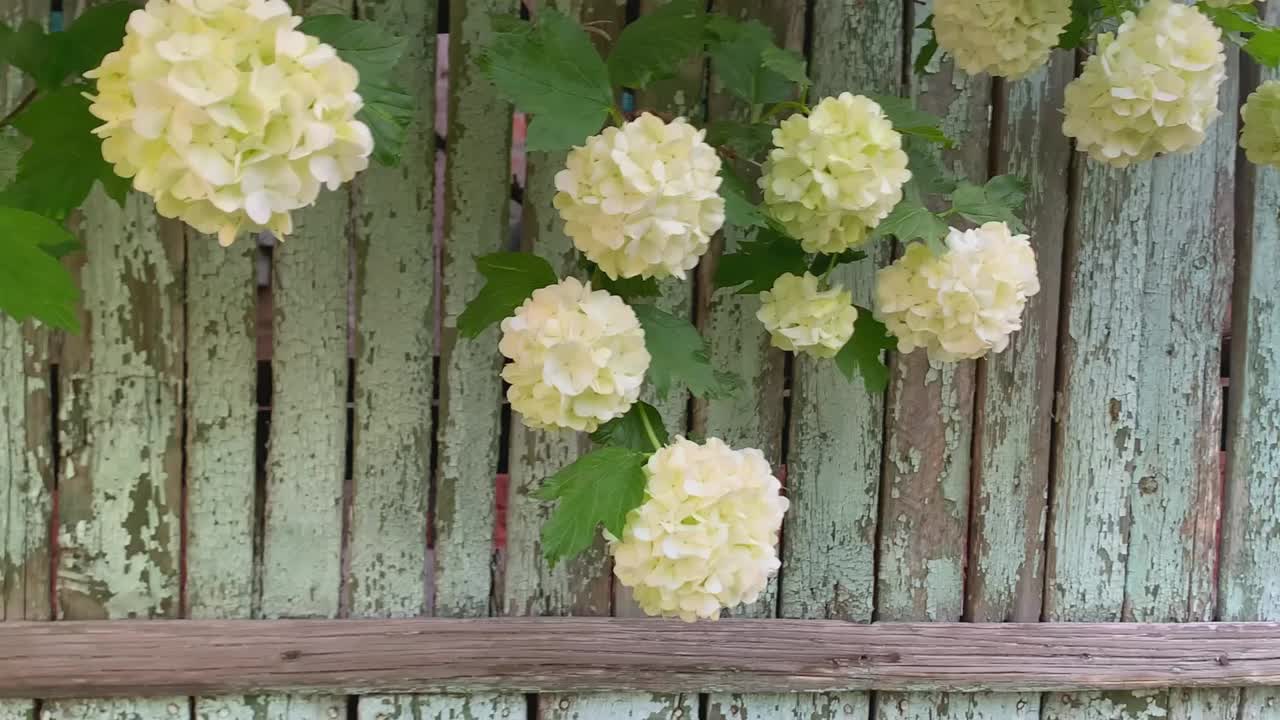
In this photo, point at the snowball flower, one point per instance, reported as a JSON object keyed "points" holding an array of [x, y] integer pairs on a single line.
{"points": [[1010, 38], [835, 174], [706, 535], [1260, 134], [641, 200], [802, 318], [963, 303], [227, 115], [577, 357], [1151, 88]]}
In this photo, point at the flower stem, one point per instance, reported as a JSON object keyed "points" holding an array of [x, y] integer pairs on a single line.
{"points": [[7, 120], [618, 118], [648, 430]]}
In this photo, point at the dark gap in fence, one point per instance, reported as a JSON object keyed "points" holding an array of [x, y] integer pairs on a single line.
{"points": [[348, 450], [264, 392], [55, 464], [1070, 241], [184, 430]]}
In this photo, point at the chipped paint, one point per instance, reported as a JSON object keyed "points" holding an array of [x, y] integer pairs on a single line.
{"points": [[791, 706], [618, 706], [476, 706]]}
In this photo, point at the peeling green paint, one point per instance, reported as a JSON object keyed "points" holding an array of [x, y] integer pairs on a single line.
{"points": [[476, 706], [17, 710], [172, 708], [475, 220], [790, 706], [618, 706]]}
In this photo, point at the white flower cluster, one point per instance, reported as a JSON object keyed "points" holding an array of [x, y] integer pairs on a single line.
{"points": [[802, 318], [1151, 88], [835, 174], [706, 535], [1009, 38], [228, 116], [578, 357], [1260, 134], [964, 303], [641, 200]]}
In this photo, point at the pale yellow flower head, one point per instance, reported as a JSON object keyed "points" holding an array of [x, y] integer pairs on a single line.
{"points": [[578, 357], [642, 200], [1260, 134], [228, 116], [964, 303], [706, 536], [1152, 88], [802, 318], [835, 174], [1010, 38]]}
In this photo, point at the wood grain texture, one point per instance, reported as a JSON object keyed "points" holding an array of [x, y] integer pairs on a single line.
{"points": [[135, 658], [924, 504], [1249, 578], [477, 185], [120, 430], [1137, 485]]}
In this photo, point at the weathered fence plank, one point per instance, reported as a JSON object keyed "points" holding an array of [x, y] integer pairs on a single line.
{"points": [[120, 429], [1136, 491], [1249, 580], [129, 658], [924, 503], [477, 189]]}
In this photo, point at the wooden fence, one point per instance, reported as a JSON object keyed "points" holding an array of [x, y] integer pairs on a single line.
{"points": [[298, 432]]}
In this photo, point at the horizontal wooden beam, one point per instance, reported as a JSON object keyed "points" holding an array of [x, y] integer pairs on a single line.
{"points": [[197, 657]]}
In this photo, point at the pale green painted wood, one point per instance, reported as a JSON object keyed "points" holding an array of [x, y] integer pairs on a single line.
{"points": [[17, 710], [221, 417], [475, 706], [394, 274], [475, 216], [619, 706], [1136, 492], [272, 707], [1249, 579], [120, 427], [26, 450], [929, 426], [788, 706]]}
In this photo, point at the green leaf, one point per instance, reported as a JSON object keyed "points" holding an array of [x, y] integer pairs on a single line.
{"points": [[1264, 47], [1237, 18], [822, 263], [374, 53], [626, 288], [50, 58], [65, 158], [927, 173], [997, 201], [33, 284], [787, 63], [747, 140], [510, 278], [552, 71], [679, 355], [928, 50], [910, 120], [910, 219], [1076, 33], [738, 59], [758, 263], [862, 354], [738, 209], [599, 488], [632, 430], [656, 44]]}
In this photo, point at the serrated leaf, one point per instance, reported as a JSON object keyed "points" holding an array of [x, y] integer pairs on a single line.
{"points": [[65, 158], [50, 58], [738, 208], [910, 220], [787, 63], [927, 173], [997, 201], [1007, 190], [910, 120], [737, 56], [552, 71], [510, 278], [33, 284], [747, 140], [1264, 47], [757, 264], [632, 430], [930, 48], [863, 353], [625, 288], [597, 489], [374, 53], [822, 263], [1076, 32], [679, 356], [658, 43]]}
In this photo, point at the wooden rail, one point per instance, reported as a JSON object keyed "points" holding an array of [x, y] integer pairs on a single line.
{"points": [[189, 657]]}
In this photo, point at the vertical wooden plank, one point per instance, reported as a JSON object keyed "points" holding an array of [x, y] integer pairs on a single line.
{"points": [[473, 706], [120, 427], [394, 276], [26, 426], [1249, 579], [618, 706], [477, 184], [1136, 471], [789, 706], [925, 497]]}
